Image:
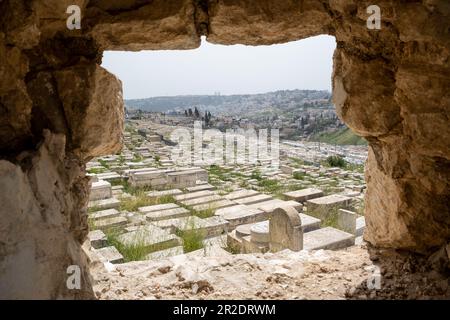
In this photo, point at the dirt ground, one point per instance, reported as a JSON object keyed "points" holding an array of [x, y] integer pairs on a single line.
{"points": [[343, 274]]}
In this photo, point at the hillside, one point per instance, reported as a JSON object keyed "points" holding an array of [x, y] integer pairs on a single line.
{"points": [[343, 136], [235, 104]]}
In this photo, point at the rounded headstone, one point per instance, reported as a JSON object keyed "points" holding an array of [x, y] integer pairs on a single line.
{"points": [[260, 232], [243, 230]]}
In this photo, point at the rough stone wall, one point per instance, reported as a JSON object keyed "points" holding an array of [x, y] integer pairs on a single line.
{"points": [[59, 108], [392, 87], [44, 220]]}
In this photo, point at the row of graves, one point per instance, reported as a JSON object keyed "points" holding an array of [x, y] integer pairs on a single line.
{"points": [[231, 212], [241, 221]]}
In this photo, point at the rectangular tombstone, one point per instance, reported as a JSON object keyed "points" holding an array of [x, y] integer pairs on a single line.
{"points": [[163, 193], [104, 214], [150, 237], [201, 187], [234, 243], [309, 223], [241, 214], [104, 204], [324, 207], [249, 246], [201, 200], [110, 223], [167, 214], [100, 190], [270, 205], [304, 194], [239, 194], [157, 207], [328, 239], [346, 221], [97, 239], [166, 253], [254, 199], [224, 203], [193, 195], [360, 226], [111, 254], [286, 169]]}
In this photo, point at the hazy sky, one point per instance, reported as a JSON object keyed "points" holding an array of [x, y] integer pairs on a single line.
{"points": [[304, 64]]}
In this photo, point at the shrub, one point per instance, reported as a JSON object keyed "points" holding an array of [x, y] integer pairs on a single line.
{"points": [[299, 175], [336, 161]]}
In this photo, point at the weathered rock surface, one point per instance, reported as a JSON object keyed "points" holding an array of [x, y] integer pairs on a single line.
{"points": [[93, 106], [43, 223], [390, 85], [344, 274]]}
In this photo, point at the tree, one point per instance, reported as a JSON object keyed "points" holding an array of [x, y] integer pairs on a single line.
{"points": [[190, 112], [185, 113], [206, 118], [197, 114]]}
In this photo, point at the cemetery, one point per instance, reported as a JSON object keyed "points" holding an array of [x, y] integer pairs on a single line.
{"points": [[145, 206]]}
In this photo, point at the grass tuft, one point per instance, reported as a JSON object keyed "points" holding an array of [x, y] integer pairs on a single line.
{"points": [[192, 237], [140, 199], [136, 251]]}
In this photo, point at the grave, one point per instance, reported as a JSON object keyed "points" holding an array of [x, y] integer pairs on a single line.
{"points": [[164, 254], [200, 187], [110, 223], [167, 214], [224, 203], [239, 194], [188, 178], [360, 226], [104, 214], [346, 221], [323, 207], [100, 190], [149, 237], [304, 194], [163, 193], [201, 200], [241, 214], [158, 207], [110, 254], [327, 238], [270, 205], [285, 230], [104, 204], [193, 195], [109, 176], [97, 239], [254, 199], [212, 226]]}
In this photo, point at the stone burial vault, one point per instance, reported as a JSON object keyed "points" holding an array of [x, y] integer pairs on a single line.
{"points": [[59, 108]]}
